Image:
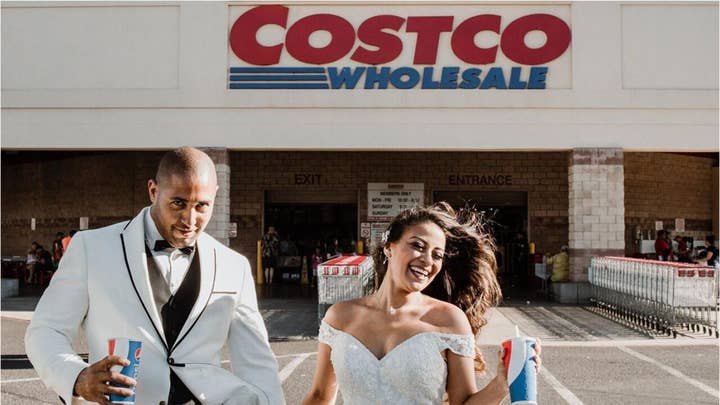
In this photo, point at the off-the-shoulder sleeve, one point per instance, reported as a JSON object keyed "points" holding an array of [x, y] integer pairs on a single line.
{"points": [[462, 345], [327, 334]]}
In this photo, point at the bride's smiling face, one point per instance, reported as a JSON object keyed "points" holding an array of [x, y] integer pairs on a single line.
{"points": [[417, 257]]}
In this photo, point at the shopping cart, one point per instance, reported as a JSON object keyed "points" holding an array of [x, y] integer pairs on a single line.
{"points": [[654, 295], [343, 278]]}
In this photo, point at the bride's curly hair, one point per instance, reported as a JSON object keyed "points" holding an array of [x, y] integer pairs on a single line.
{"points": [[467, 278]]}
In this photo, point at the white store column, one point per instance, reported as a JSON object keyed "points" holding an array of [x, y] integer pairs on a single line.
{"points": [[220, 223], [596, 208]]}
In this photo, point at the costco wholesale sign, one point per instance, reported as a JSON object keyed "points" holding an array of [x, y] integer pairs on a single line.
{"points": [[399, 47]]}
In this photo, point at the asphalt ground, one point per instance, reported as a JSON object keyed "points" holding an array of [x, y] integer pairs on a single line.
{"points": [[586, 359]]}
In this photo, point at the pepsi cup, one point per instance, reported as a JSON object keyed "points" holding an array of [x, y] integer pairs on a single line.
{"points": [[130, 349], [520, 369]]}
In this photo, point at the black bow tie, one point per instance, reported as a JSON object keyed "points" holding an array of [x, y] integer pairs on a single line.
{"points": [[163, 244]]}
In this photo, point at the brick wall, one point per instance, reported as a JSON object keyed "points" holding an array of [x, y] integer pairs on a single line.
{"points": [[544, 176], [665, 186], [57, 188]]}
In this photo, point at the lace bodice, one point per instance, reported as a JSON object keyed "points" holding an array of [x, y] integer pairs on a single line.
{"points": [[414, 372]]}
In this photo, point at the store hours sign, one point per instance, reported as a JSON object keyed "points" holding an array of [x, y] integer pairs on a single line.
{"points": [[386, 200]]}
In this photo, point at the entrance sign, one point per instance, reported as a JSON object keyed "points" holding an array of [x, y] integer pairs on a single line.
{"points": [[497, 179]]}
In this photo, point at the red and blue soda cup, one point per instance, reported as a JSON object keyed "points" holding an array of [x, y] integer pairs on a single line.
{"points": [[130, 349], [520, 369]]}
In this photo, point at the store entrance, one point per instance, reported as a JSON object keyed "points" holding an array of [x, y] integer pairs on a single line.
{"points": [[506, 218], [307, 224]]}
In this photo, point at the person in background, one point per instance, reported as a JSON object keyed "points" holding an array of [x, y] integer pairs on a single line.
{"points": [[66, 240], [270, 247], [518, 258], [31, 264], [560, 271], [44, 259], [711, 252], [333, 248], [681, 252], [44, 266], [663, 250], [57, 249], [316, 259]]}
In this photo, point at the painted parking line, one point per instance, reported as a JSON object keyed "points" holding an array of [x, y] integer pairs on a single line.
{"points": [[268, 313], [656, 342], [564, 392], [287, 370], [20, 380], [306, 354], [672, 371]]}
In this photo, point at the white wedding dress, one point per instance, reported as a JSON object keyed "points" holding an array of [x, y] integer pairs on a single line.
{"points": [[414, 372]]}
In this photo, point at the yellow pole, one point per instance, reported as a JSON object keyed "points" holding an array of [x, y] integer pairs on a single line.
{"points": [[360, 247], [260, 276]]}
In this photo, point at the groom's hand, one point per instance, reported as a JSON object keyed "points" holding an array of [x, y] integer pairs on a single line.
{"points": [[93, 382]]}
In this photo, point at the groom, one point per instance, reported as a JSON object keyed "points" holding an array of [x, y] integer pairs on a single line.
{"points": [[160, 279]]}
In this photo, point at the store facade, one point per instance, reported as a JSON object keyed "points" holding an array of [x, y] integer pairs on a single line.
{"points": [[567, 123]]}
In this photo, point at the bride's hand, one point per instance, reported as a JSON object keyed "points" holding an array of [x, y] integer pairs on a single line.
{"points": [[536, 357], [502, 370]]}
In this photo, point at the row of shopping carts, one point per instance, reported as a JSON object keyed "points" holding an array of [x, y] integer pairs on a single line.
{"points": [[664, 297]]}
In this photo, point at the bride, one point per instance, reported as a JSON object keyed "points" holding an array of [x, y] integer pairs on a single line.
{"points": [[413, 340]]}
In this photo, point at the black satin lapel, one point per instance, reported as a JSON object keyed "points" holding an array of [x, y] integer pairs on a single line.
{"points": [[212, 287]]}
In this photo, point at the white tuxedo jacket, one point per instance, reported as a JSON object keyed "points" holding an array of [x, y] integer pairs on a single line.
{"points": [[102, 285]]}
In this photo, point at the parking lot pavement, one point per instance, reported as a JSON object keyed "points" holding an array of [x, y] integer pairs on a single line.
{"points": [[587, 359], [290, 319], [574, 372]]}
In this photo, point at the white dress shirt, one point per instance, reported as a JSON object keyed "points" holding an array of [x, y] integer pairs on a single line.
{"points": [[173, 263]]}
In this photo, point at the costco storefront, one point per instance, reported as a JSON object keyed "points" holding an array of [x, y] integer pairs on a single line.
{"points": [[568, 123]]}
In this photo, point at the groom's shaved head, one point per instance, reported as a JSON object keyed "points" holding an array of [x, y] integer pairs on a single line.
{"points": [[183, 194], [186, 162]]}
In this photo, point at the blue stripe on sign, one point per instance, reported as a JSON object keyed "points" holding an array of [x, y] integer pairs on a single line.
{"points": [[278, 78], [279, 86], [277, 70]]}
